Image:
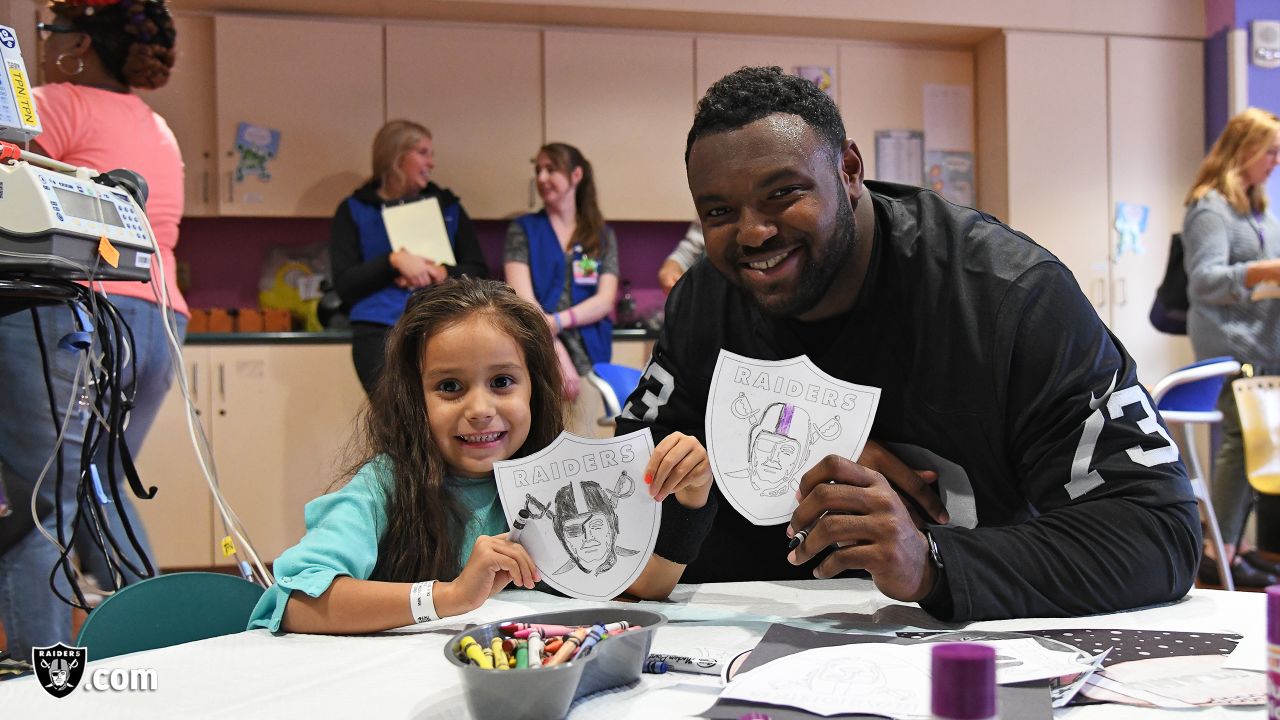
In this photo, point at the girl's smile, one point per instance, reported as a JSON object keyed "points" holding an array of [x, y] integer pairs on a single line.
{"points": [[477, 390]]}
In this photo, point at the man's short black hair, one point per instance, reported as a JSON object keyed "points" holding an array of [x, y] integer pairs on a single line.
{"points": [[746, 95]]}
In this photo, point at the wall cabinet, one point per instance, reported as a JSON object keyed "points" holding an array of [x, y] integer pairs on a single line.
{"points": [[1088, 123], [278, 418], [320, 83], [479, 91], [626, 100]]}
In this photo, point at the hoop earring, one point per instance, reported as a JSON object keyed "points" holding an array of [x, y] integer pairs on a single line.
{"points": [[70, 73]]}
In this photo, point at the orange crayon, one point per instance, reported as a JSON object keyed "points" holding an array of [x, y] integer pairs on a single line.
{"points": [[568, 647]]}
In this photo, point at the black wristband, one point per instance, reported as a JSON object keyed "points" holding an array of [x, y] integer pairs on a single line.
{"points": [[683, 530]]}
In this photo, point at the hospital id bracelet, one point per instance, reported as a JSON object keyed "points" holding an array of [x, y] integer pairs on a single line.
{"points": [[422, 604]]}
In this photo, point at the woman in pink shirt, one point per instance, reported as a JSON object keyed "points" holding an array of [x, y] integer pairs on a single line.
{"points": [[95, 53]]}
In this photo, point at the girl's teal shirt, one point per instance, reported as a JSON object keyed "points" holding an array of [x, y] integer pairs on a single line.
{"points": [[345, 529]]}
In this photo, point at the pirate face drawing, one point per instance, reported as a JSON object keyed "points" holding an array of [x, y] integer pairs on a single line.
{"points": [[59, 671], [778, 445], [585, 519]]}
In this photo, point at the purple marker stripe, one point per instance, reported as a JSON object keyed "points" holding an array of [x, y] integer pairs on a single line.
{"points": [[784, 419]]}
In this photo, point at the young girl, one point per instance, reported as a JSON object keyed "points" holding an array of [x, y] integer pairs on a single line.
{"points": [[418, 533]]}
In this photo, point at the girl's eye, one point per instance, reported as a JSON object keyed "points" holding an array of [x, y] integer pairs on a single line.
{"points": [[449, 386], [503, 381]]}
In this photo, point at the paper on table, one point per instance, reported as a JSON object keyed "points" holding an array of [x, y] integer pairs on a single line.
{"points": [[418, 227], [880, 678]]}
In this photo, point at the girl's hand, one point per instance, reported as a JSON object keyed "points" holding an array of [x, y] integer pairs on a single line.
{"points": [[679, 465], [494, 562]]}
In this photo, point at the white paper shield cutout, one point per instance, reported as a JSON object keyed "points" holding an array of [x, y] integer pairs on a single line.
{"points": [[591, 523], [768, 421]]}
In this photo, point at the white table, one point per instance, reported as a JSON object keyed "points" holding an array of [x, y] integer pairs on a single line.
{"points": [[404, 674]]}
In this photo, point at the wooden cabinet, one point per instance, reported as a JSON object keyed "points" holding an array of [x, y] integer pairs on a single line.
{"points": [[1090, 121], [479, 90], [718, 56], [278, 418], [626, 100], [186, 102], [320, 84]]}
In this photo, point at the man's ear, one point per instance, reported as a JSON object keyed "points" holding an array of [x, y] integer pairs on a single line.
{"points": [[851, 170]]}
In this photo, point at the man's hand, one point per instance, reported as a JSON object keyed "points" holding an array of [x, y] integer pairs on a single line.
{"points": [[846, 504], [668, 274], [915, 484]]}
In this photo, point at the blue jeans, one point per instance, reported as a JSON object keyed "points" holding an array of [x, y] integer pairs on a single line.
{"points": [[32, 615]]}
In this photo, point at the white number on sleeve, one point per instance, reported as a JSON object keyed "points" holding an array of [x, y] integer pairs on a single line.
{"points": [[652, 403], [1083, 478]]}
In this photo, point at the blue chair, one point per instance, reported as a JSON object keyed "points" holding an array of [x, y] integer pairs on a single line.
{"points": [[168, 610], [1189, 397], [615, 383]]}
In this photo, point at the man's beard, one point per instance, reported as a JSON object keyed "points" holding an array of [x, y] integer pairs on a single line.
{"points": [[819, 273]]}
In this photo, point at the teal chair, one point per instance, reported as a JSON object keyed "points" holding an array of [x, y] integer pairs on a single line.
{"points": [[168, 610]]}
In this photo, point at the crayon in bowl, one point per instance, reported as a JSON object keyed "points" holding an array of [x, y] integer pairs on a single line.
{"points": [[592, 659], [532, 645]]}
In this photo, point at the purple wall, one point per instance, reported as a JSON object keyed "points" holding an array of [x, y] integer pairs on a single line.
{"points": [[225, 255]]}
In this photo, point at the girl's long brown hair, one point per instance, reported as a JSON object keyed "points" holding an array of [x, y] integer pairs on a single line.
{"points": [[423, 521], [589, 223], [1245, 138]]}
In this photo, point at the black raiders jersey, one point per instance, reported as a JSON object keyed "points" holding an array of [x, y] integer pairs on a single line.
{"points": [[1066, 492]]}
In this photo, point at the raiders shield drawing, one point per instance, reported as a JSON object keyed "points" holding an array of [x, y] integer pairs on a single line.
{"points": [[768, 421], [59, 667], [583, 511]]}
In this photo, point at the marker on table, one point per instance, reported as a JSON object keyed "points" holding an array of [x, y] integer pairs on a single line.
{"points": [[681, 663]]}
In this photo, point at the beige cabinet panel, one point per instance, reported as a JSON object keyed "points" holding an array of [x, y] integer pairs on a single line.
{"points": [[626, 100], [179, 519], [186, 102], [1153, 162], [479, 90], [718, 56], [891, 97], [1057, 151], [282, 417], [320, 83]]}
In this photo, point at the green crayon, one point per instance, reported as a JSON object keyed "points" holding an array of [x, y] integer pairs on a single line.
{"points": [[522, 654]]}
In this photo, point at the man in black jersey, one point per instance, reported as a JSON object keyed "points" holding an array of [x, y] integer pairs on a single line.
{"points": [[1065, 494]]}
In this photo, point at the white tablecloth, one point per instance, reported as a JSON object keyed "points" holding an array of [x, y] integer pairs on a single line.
{"points": [[404, 674]]}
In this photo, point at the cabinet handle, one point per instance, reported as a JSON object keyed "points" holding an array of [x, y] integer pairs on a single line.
{"points": [[204, 187], [1100, 285], [533, 191], [193, 383], [231, 186], [222, 382], [1122, 295]]}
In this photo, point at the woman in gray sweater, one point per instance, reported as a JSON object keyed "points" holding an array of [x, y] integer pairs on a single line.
{"points": [[1232, 245]]}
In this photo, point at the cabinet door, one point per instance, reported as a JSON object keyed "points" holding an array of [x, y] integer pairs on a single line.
{"points": [[1057, 151], [179, 518], [1157, 131], [479, 90], [186, 103], [282, 415], [320, 84], [626, 100], [892, 97]]}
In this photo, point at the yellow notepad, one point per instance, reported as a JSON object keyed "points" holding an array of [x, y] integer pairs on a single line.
{"points": [[418, 227]]}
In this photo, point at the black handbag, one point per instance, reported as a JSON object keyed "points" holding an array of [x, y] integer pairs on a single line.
{"points": [[1169, 309]]}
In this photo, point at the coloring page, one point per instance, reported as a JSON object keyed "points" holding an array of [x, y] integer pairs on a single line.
{"points": [[588, 521], [768, 421]]}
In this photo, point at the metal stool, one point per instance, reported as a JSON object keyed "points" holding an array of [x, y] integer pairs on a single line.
{"points": [[1189, 397]]}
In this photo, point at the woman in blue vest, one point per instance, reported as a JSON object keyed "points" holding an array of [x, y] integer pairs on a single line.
{"points": [[565, 259], [374, 279]]}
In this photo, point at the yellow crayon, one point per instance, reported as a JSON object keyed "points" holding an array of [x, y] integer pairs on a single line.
{"points": [[471, 649], [488, 656], [499, 655]]}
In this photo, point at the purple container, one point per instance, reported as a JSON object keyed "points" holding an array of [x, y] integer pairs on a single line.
{"points": [[964, 681]]}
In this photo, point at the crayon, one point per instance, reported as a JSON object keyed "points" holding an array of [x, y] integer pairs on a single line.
{"points": [[616, 627], [499, 655], [568, 647], [594, 635], [535, 649], [655, 667], [797, 539], [522, 654], [546, 630], [517, 527], [471, 649], [681, 663], [552, 646]]}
